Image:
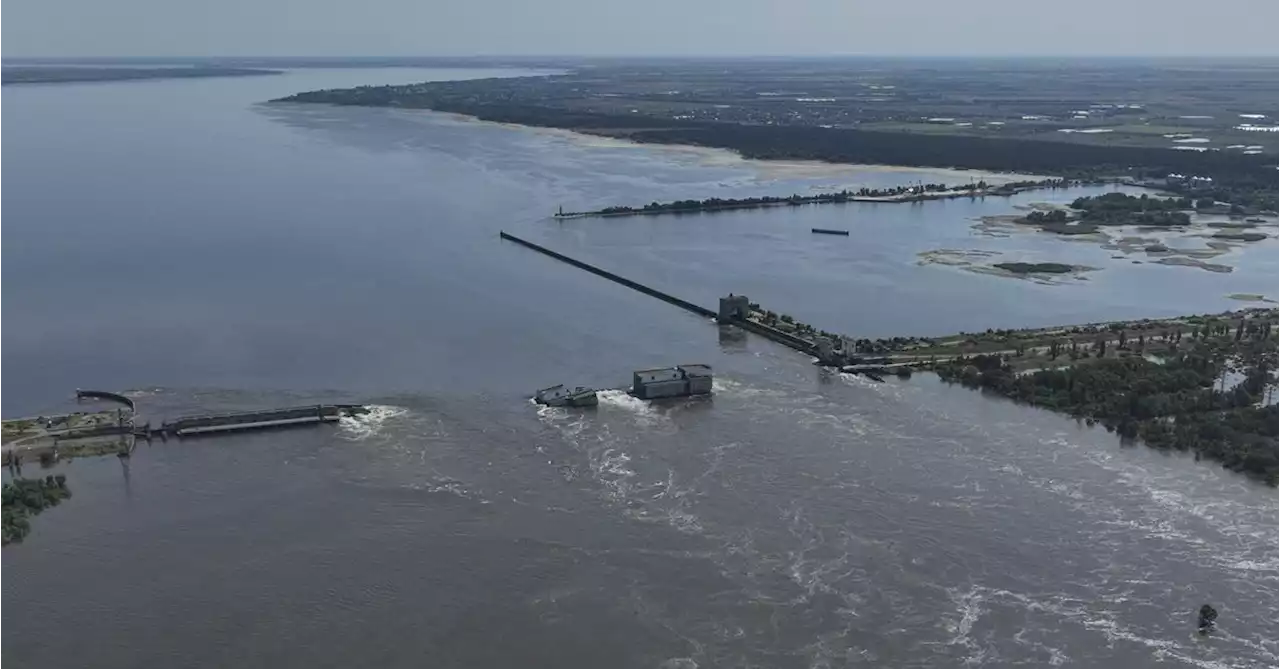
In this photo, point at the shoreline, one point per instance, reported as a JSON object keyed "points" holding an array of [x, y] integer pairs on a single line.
{"points": [[1088, 371], [714, 156]]}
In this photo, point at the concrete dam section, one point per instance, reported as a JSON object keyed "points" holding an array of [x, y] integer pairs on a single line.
{"points": [[255, 420], [733, 309]]}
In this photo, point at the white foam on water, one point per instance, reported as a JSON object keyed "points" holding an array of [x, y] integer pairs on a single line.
{"points": [[682, 521], [1162, 649], [1091, 617], [1225, 518], [1243, 536], [362, 426], [823, 417], [454, 488], [720, 384], [1057, 658], [610, 468], [732, 388], [969, 607], [142, 392], [816, 566], [549, 413], [642, 411], [1254, 565], [449, 486], [624, 400]]}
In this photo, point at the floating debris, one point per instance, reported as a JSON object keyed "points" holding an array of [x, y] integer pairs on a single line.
{"points": [[1208, 618]]}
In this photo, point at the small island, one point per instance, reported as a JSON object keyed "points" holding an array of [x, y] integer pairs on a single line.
{"points": [[1122, 209], [916, 193], [1035, 267], [1088, 214], [1240, 236]]}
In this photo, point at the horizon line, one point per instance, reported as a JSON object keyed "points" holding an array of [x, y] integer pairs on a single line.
{"points": [[726, 56]]}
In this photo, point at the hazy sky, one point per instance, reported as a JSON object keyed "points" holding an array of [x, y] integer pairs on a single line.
{"points": [[637, 27]]}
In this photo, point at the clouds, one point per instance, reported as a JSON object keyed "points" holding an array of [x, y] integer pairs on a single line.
{"points": [[649, 27]]}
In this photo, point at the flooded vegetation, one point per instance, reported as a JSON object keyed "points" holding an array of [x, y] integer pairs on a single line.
{"points": [[1155, 387], [25, 498]]}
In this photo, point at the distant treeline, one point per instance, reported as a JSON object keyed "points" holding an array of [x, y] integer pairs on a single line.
{"points": [[1244, 192], [56, 74], [997, 154]]}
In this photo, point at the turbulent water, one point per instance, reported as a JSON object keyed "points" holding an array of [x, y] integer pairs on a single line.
{"points": [[208, 253]]}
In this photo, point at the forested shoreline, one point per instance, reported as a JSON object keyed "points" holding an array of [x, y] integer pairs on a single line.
{"points": [[1170, 394], [1239, 178]]}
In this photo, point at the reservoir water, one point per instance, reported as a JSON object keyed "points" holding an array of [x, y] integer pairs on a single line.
{"points": [[204, 251]]}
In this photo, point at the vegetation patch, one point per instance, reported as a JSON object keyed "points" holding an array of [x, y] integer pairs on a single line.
{"points": [[24, 498], [1240, 236], [1195, 262], [1036, 267], [1250, 297], [929, 191]]}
